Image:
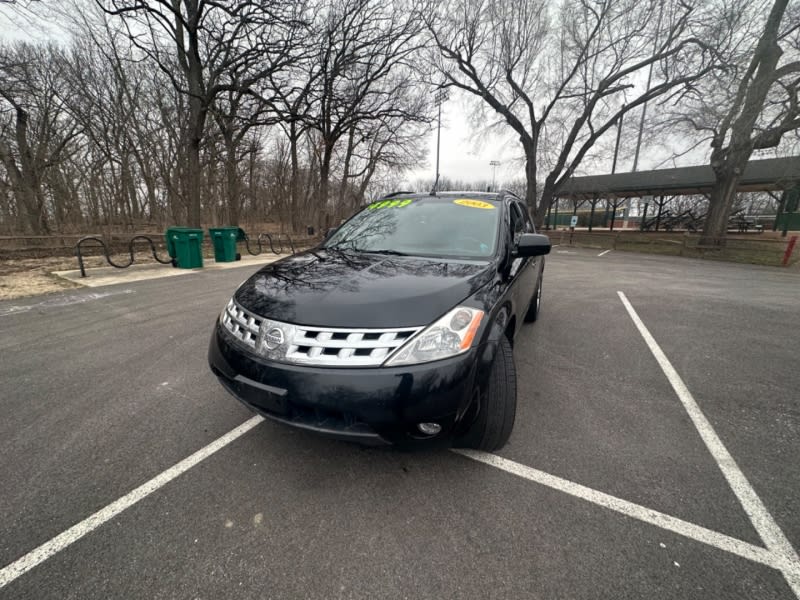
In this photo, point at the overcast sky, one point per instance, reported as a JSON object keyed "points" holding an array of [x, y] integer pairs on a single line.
{"points": [[464, 156]]}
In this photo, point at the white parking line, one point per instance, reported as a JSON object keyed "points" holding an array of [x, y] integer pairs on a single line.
{"points": [[630, 509], [762, 520], [778, 554], [37, 556], [604, 253]]}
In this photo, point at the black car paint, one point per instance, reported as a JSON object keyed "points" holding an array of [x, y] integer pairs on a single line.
{"points": [[361, 289], [332, 288], [339, 402]]}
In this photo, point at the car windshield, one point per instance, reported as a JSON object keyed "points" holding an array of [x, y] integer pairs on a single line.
{"points": [[457, 227]]}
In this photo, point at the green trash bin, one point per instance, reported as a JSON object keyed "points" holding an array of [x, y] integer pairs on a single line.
{"points": [[224, 239], [168, 237], [185, 246]]}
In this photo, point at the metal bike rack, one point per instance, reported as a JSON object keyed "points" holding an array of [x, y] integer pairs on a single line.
{"points": [[261, 236], [133, 240], [272, 243]]}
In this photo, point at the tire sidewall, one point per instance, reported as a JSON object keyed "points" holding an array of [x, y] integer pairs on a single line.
{"points": [[497, 395]]}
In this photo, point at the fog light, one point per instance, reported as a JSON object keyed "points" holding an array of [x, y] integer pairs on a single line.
{"points": [[429, 428]]}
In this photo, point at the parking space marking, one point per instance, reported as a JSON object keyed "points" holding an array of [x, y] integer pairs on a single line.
{"points": [[763, 522], [630, 509], [37, 556], [604, 253], [778, 553]]}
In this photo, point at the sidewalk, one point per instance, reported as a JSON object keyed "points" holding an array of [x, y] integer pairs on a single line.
{"points": [[137, 272]]}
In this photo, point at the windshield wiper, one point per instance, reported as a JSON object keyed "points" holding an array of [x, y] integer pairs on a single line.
{"points": [[385, 251]]}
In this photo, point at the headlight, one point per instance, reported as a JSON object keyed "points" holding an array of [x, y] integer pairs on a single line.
{"points": [[449, 336]]}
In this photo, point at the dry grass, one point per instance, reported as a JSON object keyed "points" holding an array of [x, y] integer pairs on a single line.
{"points": [[32, 277], [24, 277]]}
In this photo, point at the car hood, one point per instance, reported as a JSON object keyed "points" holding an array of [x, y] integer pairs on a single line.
{"points": [[344, 289]]}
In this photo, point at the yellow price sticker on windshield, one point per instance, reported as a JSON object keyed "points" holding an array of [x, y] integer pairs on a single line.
{"points": [[389, 204], [473, 203]]}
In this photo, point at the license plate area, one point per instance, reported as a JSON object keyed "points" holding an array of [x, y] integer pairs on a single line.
{"points": [[264, 397]]}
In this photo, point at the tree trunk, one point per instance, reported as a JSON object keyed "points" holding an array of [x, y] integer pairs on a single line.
{"points": [[324, 181], [130, 176], [194, 216], [294, 183], [362, 188], [34, 210], [24, 177], [232, 183], [545, 201], [61, 199], [537, 212], [779, 209], [719, 209], [346, 171], [198, 111]]}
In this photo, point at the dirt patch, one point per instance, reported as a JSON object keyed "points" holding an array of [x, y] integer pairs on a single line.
{"points": [[23, 277], [32, 283]]}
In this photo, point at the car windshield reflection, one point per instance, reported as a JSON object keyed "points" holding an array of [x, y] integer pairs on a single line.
{"points": [[431, 227]]}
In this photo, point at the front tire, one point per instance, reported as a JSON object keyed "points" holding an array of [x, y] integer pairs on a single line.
{"points": [[536, 302], [497, 405]]}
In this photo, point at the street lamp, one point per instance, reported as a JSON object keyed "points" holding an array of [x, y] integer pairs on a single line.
{"points": [[494, 164], [438, 99]]}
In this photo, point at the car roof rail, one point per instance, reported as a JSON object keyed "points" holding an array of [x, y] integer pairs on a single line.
{"points": [[503, 193], [399, 193]]}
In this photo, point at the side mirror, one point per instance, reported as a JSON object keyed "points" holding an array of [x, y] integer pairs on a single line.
{"points": [[329, 233], [532, 244]]}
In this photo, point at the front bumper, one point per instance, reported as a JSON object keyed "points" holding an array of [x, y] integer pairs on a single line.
{"points": [[376, 405]]}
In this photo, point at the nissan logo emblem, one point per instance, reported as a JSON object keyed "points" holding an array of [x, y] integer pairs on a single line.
{"points": [[273, 338]]}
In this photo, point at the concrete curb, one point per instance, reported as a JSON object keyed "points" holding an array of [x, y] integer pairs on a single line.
{"points": [[100, 276]]}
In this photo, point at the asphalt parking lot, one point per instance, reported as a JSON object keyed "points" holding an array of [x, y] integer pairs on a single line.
{"points": [[619, 481]]}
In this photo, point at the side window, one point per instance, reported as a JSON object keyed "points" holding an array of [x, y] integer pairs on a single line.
{"points": [[528, 224], [517, 220]]}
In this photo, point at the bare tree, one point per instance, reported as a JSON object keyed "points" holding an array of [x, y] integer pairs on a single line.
{"points": [[236, 113], [391, 144], [36, 132], [561, 75], [158, 110], [366, 75], [209, 42], [764, 108]]}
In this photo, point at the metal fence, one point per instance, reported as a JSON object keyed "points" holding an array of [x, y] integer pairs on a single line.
{"points": [[49, 246]]}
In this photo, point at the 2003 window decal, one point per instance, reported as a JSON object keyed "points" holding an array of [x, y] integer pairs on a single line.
{"points": [[474, 203]]}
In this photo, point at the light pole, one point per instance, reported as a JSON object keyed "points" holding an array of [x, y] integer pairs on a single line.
{"points": [[438, 98], [494, 164], [644, 111]]}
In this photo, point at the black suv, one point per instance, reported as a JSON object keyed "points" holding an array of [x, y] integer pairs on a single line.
{"points": [[398, 328]]}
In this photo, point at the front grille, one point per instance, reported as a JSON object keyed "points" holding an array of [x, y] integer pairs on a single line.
{"points": [[241, 324], [321, 346], [358, 347]]}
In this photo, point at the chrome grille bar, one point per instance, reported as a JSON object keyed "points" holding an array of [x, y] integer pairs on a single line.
{"points": [[243, 325], [319, 346]]}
